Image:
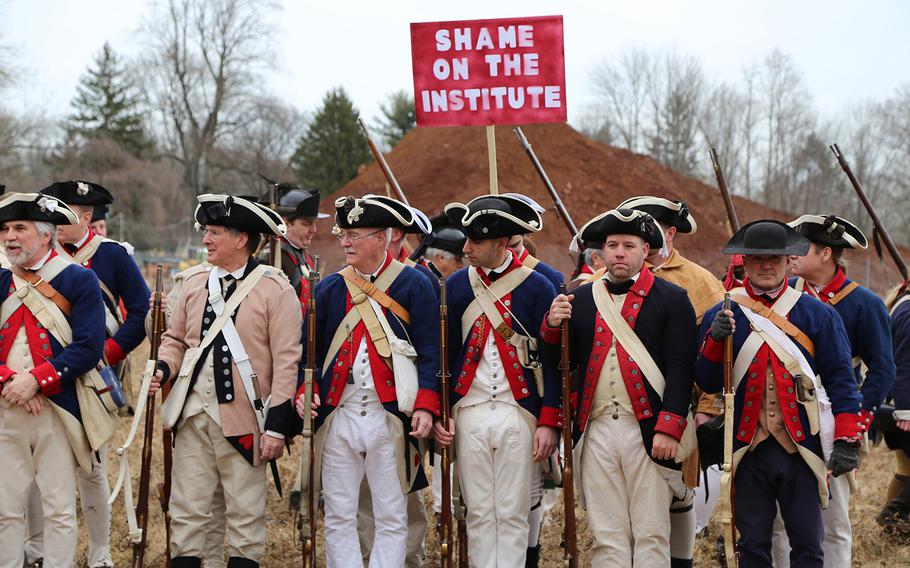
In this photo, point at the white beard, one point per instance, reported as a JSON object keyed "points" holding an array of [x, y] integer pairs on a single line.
{"points": [[24, 254]]}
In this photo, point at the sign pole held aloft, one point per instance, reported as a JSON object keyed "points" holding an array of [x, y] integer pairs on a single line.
{"points": [[491, 149]]}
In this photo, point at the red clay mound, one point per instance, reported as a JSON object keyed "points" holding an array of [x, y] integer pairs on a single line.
{"points": [[436, 166]]}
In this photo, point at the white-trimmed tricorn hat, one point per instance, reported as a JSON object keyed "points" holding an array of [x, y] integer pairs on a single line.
{"points": [[36, 207], [622, 222], [377, 211], [667, 212], [830, 230], [494, 216], [238, 213]]}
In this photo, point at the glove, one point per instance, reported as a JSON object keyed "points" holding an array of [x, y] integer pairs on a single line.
{"points": [[844, 457], [722, 326]]}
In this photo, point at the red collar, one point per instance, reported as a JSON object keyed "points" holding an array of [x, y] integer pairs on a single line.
{"points": [[516, 262], [833, 287], [643, 283], [521, 257], [402, 255], [88, 239], [761, 295]]}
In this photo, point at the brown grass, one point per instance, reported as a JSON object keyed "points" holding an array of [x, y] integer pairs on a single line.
{"points": [[871, 546]]}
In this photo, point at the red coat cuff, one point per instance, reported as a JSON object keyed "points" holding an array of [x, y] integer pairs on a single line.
{"points": [[48, 379], [428, 400], [712, 350], [672, 425], [866, 417], [848, 427], [113, 353], [549, 334], [5, 373], [302, 390], [550, 416]]}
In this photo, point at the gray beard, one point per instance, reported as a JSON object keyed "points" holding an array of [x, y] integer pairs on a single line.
{"points": [[23, 256]]}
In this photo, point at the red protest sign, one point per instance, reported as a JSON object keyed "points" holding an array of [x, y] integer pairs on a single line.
{"points": [[482, 72]]}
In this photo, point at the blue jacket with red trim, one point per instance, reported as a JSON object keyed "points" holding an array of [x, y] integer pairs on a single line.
{"points": [[412, 290], [868, 329], [900, 329], [662, 317], [119, 272], [56, 368], [824, 327], [528, 303]]}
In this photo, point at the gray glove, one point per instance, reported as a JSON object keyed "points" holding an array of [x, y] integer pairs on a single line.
{"points": [[844, 457], [722, 326]]}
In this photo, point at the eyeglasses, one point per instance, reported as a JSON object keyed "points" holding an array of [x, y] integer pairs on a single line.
{"points": [[342, 235]]}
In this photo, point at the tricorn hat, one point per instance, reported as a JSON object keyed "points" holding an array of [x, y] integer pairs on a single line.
{"points": [[666, 212], [443, 237], [238, 213], [296, 203], [767, 237], [372, 211], [830, 230], [622, 222], [36, 207], [78, 192], [99, 213], [494, 216]]}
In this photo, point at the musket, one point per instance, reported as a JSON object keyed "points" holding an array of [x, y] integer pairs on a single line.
{"points": [[461, 528], [383, 165], [725, 511], [724, 192], [557, 202], [569, 542], [307, 523], [273, 240], [446, 548], [876, 222], [142, 502]]}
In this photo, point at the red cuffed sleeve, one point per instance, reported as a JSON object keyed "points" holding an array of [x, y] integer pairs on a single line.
{"points": [[848, 427], [427, 399], [672, 425], [549, 334], [48, 379], [550, 416], [301, 390], [113, 353], [5, 373], [866, 418], [712, 350]]}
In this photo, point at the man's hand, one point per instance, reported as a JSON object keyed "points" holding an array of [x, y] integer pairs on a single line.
{"points": [[163, 302], [844, 457], [560, 310], [20, 388], [664, 447], [270, 448], [301, 405], [545, 439], [701, 418], [422, 424], [35, 405], [442, 436], [723, 325], [904, 425], [157, 377]]}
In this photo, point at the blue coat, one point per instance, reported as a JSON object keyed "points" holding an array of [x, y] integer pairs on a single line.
{"points": [[80, 287], [868, 329], [529, 304], [900, 329]]}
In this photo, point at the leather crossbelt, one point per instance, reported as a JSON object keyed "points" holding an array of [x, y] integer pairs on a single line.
{"points": [[381, 297], [844, 292], [778, 320], [45, 288]]}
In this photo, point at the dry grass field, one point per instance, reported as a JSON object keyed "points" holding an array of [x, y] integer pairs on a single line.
{"points": [[871, 547]]}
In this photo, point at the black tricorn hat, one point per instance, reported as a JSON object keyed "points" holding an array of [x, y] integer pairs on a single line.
{"points": [[99, 213], [443, 236], [238, 213], [622, 222], [493, 216], [372, 211], [830, 230], [296, 203], [36, 207], [78, 192], [668, 213], [767, 237]]}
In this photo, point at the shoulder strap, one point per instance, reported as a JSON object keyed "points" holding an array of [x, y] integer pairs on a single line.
{"points": [[777, 318], [377, 289], [242, 291], [627, 337], [40, 281], [530, 262], [87, 251], [903, 299], [497, 290], [843, 293]]}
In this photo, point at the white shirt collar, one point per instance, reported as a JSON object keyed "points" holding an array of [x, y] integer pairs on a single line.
{"points": [[78, 244], [40, 263], [373, 274], [610, 279], [237, 274], [502, 266]]}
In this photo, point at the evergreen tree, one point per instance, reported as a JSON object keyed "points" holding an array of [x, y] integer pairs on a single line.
{"points": [[397, 118], [332, 148], [107, 105]]}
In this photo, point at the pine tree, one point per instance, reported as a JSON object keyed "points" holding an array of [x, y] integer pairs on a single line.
{"points": [[107, 105], [332, 148], [397, 118]]}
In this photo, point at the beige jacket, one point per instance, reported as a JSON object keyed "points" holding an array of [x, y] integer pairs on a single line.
{"points": [[268, 322]]}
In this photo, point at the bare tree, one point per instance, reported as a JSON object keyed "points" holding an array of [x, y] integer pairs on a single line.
{"points": [[206, 60], [622, 89], [675, 90]]}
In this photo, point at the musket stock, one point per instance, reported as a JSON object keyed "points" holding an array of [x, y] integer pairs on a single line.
{"points": [[726, 512], [570, 545], [308, 449]]}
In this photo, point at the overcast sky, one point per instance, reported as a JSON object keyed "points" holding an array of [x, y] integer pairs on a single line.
{"points": [[848, 51]]}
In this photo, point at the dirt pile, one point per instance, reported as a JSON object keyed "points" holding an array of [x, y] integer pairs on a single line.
{"points": [[436, 166]]}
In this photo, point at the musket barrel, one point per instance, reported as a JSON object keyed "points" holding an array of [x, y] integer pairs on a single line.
{"points": [[538, 167], [724, 191]]}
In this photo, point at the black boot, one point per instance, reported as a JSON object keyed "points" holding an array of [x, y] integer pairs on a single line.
{"points": [[680, 563], [186, 562], [895, 516], [237, 562], [533, 558]]}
